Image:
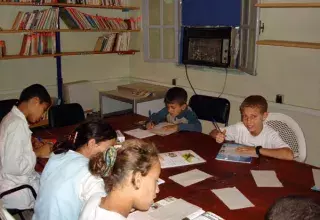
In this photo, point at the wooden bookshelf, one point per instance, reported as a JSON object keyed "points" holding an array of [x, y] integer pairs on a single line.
{"points": [[289, 44], [288, 5], [64, 30], [11, 57], [69, 5]]}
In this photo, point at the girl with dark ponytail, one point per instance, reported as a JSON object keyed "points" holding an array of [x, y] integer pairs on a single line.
{"points": [[66, 183], [130, 174]]}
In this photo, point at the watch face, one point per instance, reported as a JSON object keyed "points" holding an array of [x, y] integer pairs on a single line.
{"points": [[258, 150]]}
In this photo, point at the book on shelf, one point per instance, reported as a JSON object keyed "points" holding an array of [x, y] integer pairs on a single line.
{"points": [[2, 48], [179, 158], [133, 23], [78, 2], [38, 44], [113, 42], [229, 153], [76, 19], [36, 20], [172, 208]]}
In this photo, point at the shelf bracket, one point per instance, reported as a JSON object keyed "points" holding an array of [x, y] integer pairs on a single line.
{"points": [[261, 27]]}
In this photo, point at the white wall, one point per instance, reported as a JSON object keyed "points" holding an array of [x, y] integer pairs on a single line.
{"points": [[292, 72], [101, 69]]}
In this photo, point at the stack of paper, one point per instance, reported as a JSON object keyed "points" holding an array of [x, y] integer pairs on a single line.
{"points": [[266, 178], [190, 177], [232, 198]]}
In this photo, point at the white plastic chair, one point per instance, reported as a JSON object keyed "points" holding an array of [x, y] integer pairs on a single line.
{"points": [[4, 214], [290, 132]]}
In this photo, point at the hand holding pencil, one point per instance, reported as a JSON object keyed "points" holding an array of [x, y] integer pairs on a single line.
{"points": [[220, 136], [217, 134]]}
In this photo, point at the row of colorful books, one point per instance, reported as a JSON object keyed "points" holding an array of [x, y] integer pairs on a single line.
{"points": [[82, 2], [37, 20], [38, 44], [113, 42], [76, 19]]}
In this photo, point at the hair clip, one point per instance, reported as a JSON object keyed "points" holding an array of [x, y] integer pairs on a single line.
{"points": [[75, 137], [110, 157]]}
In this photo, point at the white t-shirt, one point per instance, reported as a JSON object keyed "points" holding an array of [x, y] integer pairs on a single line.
{"points": [[17, 160], [268, 138], [93, 211]]}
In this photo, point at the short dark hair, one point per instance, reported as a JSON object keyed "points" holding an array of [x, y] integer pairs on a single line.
{"points": [[255, 101], [35, 90], [294, 208], [176, 95], [134, 156]]}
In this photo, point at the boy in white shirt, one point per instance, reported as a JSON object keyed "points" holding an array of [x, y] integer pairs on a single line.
{"points": [[259, 138], [17, 158]]}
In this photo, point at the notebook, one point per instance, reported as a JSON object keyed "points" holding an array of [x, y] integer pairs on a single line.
{"points": [[139, 133], [228, 153], [158, 129], [179, 158], [172, 208]]}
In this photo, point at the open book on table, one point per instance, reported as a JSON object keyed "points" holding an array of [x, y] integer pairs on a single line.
{"points": [[172, 208], [179, 158], [228, 153], [157, 130]]}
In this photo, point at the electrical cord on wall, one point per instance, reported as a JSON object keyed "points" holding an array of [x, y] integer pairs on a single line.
{"points": [[225, 82], [186, 68]]}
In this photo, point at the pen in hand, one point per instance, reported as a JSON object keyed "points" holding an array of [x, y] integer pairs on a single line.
{"points": [[216, 125]]}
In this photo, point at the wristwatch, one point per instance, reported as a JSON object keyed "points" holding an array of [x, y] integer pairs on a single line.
{"points": [[258, 150]]}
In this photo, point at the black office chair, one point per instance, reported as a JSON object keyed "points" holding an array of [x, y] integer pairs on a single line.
{"points": [[211, 108], [6, 106], [65, 114], [19, 211]]}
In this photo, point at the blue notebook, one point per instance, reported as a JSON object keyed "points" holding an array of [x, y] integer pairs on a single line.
{"points": [[228, 153]]}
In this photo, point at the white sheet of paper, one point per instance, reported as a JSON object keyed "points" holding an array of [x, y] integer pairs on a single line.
{"points": [[190, 177], [232, 198], [159, 131], [139, 133], [316, 177], [160, 181], [266, 178], [178, 209]]}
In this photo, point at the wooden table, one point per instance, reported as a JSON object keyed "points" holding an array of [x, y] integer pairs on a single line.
{"points": [[296, 177], [123, 100]]}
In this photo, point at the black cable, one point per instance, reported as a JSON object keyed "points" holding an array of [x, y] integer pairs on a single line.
{"points": [[225, 82], [186, 68]]}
